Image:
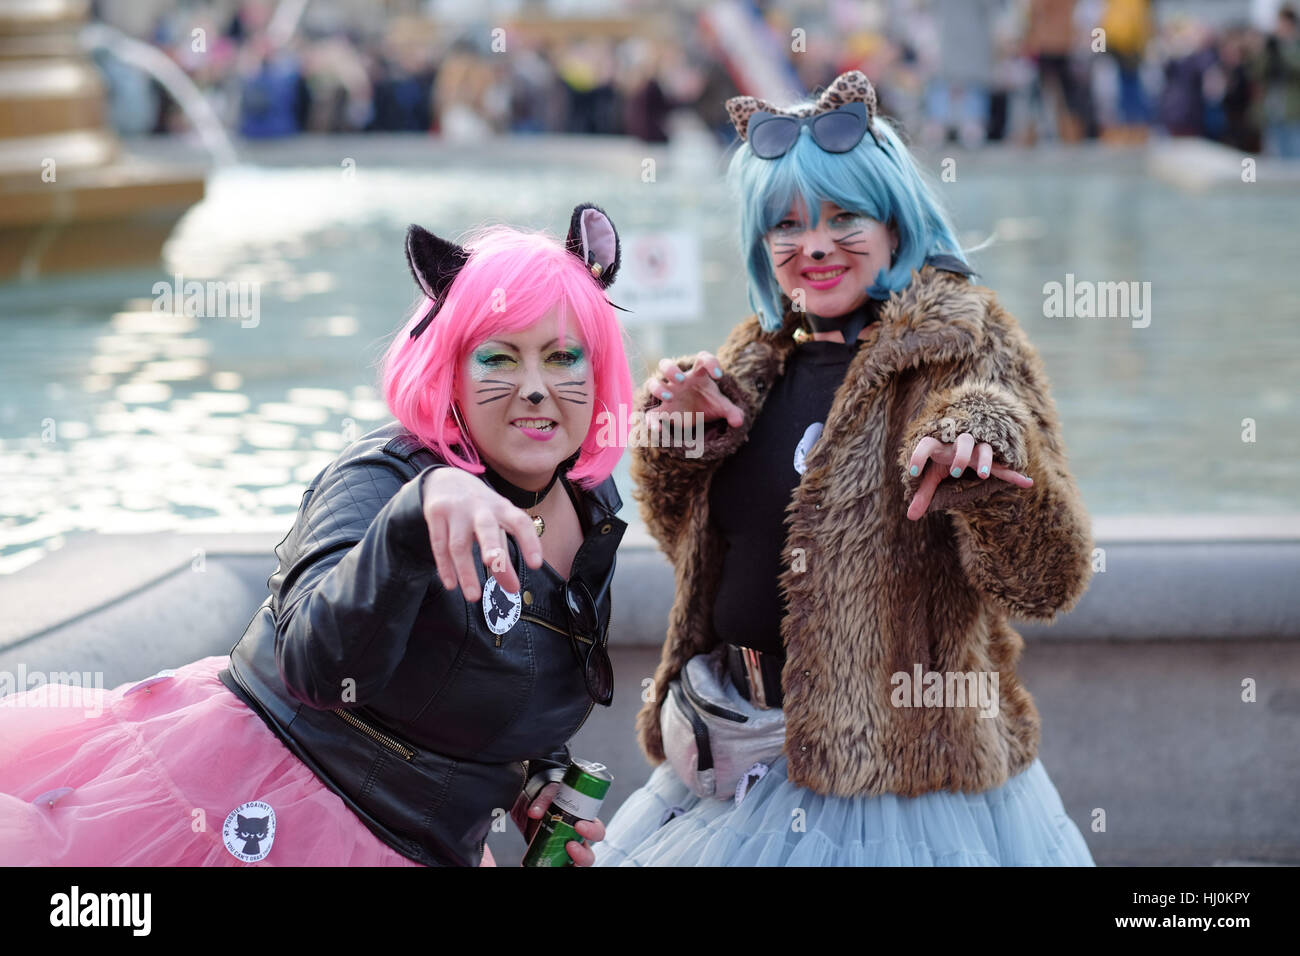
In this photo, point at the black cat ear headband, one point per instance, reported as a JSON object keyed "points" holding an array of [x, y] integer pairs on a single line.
{"points": [[436, 262]]}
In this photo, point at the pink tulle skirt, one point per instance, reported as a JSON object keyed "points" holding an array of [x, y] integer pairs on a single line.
{"points": [[155, 773]]}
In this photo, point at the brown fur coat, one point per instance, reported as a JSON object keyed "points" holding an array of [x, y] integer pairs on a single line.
{"points": [[873, 593]]}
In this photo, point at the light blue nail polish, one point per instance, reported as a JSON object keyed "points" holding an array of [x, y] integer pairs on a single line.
{"points": [[914, 471], [956, 472], [984, 470], [665, 395], [717, 373], [681, 377]]}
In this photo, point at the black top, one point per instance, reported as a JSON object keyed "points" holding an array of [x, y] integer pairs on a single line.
{"points": [[752, 488]]}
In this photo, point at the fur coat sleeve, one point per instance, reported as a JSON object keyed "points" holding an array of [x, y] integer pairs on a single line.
{"points": [[1029, 549], [666, 478]]}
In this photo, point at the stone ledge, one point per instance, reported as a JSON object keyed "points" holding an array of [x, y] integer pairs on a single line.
{"points": [[1164, 579]]}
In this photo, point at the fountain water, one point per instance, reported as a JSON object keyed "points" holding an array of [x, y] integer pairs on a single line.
{"points": [[99, 36], [70, 200]]}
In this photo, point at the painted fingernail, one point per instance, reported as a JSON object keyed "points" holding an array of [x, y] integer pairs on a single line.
{"points": [[914, 471], [681, 377], [956, 472], [984, 470], [665, 395], [717, 373]]}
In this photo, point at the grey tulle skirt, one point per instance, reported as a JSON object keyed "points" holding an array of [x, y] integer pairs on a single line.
{"points": [[1021, 823]]}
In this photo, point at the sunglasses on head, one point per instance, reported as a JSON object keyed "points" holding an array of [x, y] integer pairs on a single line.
{"points": [[837, 131], [597, 670]]}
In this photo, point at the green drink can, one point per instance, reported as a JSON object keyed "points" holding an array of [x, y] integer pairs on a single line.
{"points": [[580, 795]]}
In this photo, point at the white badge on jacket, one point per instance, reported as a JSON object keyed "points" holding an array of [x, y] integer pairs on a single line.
{"points": [[500, 607], [804, 448]]}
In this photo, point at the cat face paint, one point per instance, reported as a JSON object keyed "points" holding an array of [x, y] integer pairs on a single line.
{"points": [[526, 398], [854, 249]]}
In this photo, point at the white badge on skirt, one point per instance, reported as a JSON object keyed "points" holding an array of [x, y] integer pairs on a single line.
{"points": [[747, 780], [249, 831]]}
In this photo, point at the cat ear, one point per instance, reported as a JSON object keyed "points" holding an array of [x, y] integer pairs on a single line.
{"points": [[434, 262], [593, 239]]}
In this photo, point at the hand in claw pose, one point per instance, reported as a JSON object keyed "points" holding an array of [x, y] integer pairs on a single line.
{"points": [[934, 460]]}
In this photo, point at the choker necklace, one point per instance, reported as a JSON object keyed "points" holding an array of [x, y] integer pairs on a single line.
{"points": [[849, 324], [522, 497]]}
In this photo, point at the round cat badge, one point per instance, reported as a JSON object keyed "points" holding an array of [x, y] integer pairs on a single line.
{"points": [[500, 607], [249, 831], [804, 448]]}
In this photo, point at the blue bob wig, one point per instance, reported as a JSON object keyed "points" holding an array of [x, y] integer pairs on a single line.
{"points": [[883, 183]]}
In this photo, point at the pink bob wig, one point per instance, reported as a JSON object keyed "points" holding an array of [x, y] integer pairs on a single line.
{"points": [[531, 275]]}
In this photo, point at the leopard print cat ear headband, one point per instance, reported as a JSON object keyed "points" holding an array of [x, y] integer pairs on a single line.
{"points": [[837, 121]]}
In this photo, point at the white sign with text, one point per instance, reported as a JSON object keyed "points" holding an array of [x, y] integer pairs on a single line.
{"points": [[659, 278]]}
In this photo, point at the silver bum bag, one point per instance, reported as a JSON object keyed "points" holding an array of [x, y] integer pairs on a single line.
{"points": [[711, 735]]}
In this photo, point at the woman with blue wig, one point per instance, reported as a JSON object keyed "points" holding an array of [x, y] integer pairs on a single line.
{"points": [[882, 485]]}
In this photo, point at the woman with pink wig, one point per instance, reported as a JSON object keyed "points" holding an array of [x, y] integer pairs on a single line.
{"points": [[436, 628]]}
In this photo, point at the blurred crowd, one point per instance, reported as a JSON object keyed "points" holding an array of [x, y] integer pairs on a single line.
{"points": [[974, 71]]}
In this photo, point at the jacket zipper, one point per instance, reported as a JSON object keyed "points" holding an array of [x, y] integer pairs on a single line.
{"points": [[538, 620], [406, 753]]}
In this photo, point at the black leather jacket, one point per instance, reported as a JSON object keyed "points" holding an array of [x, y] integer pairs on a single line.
{"points": [[395, 691]]}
